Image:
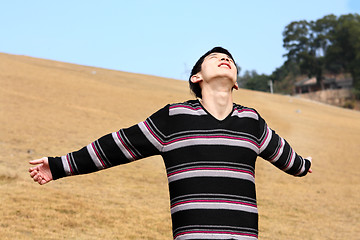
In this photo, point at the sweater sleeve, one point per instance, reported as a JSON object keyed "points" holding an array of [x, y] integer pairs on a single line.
{"points": [[123, 146], [277, 150]]}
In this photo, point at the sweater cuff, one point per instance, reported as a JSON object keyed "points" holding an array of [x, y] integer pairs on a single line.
{"points": [[56, 167], [307, 167]]}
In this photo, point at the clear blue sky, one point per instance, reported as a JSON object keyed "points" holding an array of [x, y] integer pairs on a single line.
{"points": [[162, 38]]}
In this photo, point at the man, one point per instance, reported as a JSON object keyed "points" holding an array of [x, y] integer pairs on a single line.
{"points": [[209, 147]]}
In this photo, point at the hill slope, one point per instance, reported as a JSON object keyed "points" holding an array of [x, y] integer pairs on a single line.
{"points": [[50, 108]]}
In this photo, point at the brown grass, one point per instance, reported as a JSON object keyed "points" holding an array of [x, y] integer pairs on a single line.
{"points": [[50, 108]]}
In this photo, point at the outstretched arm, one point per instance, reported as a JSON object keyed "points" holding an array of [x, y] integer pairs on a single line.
{"points": [[113, 149], [41, 173], [278, 151]]}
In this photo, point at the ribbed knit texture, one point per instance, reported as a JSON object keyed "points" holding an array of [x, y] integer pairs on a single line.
{"points": [[210, 165]]}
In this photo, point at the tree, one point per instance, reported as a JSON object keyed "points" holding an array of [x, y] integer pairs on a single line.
{"points": [[307, 43], [343, 55], [252, 80], [284, 77], [330, 44], [259, 83]]}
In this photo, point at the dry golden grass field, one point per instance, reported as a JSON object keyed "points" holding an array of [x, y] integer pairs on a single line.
{"points": [[49, 108]]}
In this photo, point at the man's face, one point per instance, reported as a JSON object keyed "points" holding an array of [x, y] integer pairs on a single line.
{"points": [[218, 65]]}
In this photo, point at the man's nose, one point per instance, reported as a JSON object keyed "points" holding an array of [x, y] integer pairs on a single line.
{"points": [[225, 59]]}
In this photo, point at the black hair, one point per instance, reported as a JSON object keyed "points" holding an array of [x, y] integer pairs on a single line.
{"points": [[195, 87]]}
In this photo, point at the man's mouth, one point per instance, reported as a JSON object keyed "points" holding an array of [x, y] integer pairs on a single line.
{"points": [[224, 64]]}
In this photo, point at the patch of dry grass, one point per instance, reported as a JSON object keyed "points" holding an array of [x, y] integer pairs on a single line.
{"points": [[51, 108]]}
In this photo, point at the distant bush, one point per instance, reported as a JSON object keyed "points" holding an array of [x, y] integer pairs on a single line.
{"points": [[349, 104]]}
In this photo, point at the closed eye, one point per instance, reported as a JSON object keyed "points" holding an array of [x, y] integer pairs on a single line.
{"points": [[214, 55]]}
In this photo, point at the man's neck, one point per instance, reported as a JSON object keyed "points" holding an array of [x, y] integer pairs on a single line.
{"points": [[218, 103]]}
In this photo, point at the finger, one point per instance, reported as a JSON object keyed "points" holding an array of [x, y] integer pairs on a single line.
{"points": [[36, 177], [37, 161], [33, 173], [40, 180], [43, 181], [34, 169], [310, 170]]}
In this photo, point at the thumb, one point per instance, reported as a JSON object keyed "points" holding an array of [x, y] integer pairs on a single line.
{"points": [[37, 161]]}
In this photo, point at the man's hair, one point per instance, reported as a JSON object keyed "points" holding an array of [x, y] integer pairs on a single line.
{"points": [[195, 87]]}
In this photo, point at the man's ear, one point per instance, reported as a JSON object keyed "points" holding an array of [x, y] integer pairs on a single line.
{"points": [[196, 78], [236, 86]]}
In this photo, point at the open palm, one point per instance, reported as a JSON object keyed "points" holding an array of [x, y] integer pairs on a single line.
{"points": [[41, 173]]}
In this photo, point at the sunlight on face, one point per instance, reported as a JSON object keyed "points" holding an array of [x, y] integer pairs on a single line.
{"points": [[220, 56], [218, 65]]}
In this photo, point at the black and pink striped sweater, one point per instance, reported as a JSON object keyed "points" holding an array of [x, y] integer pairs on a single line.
{"points": [[210, 165]]}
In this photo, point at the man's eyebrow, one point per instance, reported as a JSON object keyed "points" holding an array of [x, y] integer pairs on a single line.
{"points": [[212, 54]]}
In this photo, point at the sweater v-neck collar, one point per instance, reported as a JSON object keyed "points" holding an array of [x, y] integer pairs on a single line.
{"points": [[212, 116]]}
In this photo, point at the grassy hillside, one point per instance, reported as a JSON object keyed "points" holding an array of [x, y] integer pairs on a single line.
{"points": [[49, 108]]}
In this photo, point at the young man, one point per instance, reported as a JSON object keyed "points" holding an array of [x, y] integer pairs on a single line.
{"points": [[209, 147]]}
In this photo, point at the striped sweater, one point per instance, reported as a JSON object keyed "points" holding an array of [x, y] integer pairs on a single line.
{"points": [[210, 165]]}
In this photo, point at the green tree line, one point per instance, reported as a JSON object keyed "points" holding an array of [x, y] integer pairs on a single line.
{"points": [[314, 48]]}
